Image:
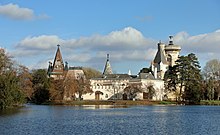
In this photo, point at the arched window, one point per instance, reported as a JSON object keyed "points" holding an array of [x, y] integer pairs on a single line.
{"points": [[169, 59]]}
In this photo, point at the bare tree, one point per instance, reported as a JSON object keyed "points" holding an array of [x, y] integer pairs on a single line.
{"points": [[25, 81], [149, 91], [56, 89], [82, 86], [211, 74], [132, 90], [212, 69], [70, 86]]}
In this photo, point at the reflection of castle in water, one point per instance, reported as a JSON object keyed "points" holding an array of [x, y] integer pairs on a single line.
{"points": [[112, 86]]}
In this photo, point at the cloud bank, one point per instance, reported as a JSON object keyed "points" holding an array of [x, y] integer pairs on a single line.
{"points": [[15, 12], [203, 43], [124, 45]]}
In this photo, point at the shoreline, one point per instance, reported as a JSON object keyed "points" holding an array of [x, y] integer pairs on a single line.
{"points": [[127, 102], [110, 102]]}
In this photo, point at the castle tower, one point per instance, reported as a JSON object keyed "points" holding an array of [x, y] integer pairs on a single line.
{"points": [[159, 64], [56, 70], [58, 65], [172, 52], [107, 69], [165, 57]]}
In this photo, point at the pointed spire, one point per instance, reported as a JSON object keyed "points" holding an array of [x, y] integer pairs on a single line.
{"points": [[107, 69], [129, 72], [107, 57], [58, 61]]}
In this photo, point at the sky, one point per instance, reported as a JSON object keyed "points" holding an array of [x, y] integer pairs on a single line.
{"points": [[88, 30]]}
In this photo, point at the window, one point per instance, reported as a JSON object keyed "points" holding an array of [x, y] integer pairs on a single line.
{"points": [[169, 59]]}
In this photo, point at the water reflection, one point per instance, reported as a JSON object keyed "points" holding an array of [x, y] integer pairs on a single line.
{"points": [[103, 106], [8, 112]]}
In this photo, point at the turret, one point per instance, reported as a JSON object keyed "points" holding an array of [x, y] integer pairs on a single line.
{"points": [[56, 69], [172, 51], [50, 68], [107, 69], [66, 66], [58, 65]]}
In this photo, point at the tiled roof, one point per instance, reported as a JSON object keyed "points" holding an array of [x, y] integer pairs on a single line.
{"points": [[146, 76], [107, 69], [58, 61], [113, 77]]}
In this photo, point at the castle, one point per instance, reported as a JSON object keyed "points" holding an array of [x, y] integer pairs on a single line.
{"points": [[110, 86]]}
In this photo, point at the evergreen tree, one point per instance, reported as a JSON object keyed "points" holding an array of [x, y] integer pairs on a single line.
{"points": [[41, 86], [193, 80], [171, 79], [185, 76]]}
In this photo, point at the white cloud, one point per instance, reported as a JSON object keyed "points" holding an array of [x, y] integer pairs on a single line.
{"points": [[202, 43], [128, 39], [13, 11], [123, 39], [123, 45], [82, 57], [126, 44], [43, 42]]}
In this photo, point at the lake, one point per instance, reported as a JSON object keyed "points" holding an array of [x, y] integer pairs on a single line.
{"points": [[91, 120]]}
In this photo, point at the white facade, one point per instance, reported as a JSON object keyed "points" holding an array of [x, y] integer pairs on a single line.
{"points": [[104, 89], [158, 87], [113, 86]]}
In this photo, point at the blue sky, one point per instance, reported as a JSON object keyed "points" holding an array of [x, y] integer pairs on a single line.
{"points": [[89, 29]]}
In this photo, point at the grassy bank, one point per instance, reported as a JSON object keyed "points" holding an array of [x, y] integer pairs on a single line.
{"points": [[210, 102], [127, 102], [110, 102]]}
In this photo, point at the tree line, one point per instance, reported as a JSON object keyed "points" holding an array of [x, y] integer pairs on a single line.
{"points": [[19, 85], [186, 79]]}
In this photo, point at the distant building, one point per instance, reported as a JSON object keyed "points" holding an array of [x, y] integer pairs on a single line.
{"points": [[111, 86], [58, 71]]}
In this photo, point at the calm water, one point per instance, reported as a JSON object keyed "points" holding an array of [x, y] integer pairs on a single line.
{"points": [[155, 120]]}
